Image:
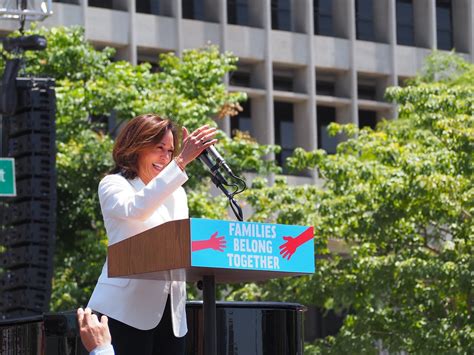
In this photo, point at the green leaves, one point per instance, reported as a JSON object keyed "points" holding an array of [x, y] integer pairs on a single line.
{"points": [[401, 197]]}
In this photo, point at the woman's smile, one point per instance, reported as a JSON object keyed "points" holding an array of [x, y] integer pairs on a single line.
{"points": [[152, 160]]}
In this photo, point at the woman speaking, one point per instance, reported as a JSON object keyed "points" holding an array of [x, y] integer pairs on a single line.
{"points": [[142, 191]]}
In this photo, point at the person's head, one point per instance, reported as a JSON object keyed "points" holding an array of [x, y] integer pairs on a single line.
{"points": [[145, 146]]}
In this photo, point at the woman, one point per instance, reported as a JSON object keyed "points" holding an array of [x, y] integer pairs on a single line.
{"points": [[143, 191]]}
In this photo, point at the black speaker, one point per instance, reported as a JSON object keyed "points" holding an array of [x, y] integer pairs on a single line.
{"points": [[24, 145], [30, 211], [28, 233], [38, 188], [35, 164], [35, 278], [26, 255], [31, 121], [28, 221], [24, 301], [36, 94]]}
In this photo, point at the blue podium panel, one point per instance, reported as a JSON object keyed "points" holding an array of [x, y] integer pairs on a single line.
{"points": [[252, 246]]}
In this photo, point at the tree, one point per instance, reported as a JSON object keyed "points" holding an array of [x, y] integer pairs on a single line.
{"points": [[402, 199], [89, 84]]}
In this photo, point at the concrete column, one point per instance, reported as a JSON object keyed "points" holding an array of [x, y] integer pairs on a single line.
{"points": [[128, 52], [424, 13], [382, 21], [341, 24], [471, 30], [269, 135], [462, 25], [178, 17], [392, 38], [257, 13], [132, 42], [311, 79], [84, 5], [224, 123], [299, 16], [354, 110], [432, 26]]}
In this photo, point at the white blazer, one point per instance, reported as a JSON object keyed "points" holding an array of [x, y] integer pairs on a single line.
{"points": [[129, 207]]}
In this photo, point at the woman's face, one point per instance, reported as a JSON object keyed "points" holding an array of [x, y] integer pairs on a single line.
{"points": [[151, 161]]}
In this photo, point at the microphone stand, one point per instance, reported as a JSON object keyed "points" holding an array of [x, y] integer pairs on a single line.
{"points": [[233, 203], [207, 284]]}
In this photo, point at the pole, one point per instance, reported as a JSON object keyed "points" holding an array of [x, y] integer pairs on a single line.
{"points": [[209, 314]]}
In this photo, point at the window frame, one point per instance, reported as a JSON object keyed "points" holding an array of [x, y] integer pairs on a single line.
{"points": [[278, 13], [401, 25], [367, 19], [445, 4], [319, 15]]}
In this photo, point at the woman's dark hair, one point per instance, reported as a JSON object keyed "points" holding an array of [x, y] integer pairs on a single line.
{"points": [[141, 132]]}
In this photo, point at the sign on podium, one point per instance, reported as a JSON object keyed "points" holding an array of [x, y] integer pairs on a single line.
{"points": [[229, 250]]}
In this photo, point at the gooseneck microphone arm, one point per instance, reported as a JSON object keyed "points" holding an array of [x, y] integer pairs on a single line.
{"points": [[232, 202]]}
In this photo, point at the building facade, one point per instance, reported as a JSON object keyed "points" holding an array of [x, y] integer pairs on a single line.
{"points": [[303, 63]]}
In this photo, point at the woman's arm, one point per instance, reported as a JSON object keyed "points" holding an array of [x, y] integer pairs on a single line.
{"points": [[118, 200]]}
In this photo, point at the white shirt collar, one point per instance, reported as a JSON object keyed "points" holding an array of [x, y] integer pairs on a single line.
{"points": [[137, 183]]}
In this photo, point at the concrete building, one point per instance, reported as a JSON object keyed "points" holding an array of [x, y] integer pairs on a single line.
{"points": [[303, 63]]}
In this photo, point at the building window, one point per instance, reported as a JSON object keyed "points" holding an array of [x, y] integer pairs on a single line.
{"points": [[367, 89], [148, 6], [405, 23], [325, 87], [365, 20], [243, 121], [283, 80], [238, 12], [326, 115], [325, 84], [239, 78], [323, 24], [284, 131], [281, 15], [444, 24], [193, 9], [367, 119], [106, 4]]}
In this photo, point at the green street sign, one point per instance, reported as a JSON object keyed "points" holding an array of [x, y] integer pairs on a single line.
{"points": [[7, 177]]}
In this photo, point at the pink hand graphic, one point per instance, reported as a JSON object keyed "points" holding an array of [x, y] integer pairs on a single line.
{"points": [[292, 243], [215, 243], [289, 248]]}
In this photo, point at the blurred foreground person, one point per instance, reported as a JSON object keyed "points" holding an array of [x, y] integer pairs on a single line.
{"points": [[95, 335]]}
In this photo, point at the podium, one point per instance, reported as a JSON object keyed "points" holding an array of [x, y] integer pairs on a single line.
{"points": [[213, 251]]}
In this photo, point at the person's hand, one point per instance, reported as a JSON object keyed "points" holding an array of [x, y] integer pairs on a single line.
{"points": [[93, 333], [195, 143]]}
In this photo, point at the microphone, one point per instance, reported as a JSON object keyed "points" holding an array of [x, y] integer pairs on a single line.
{"points": [[213, 160]]}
